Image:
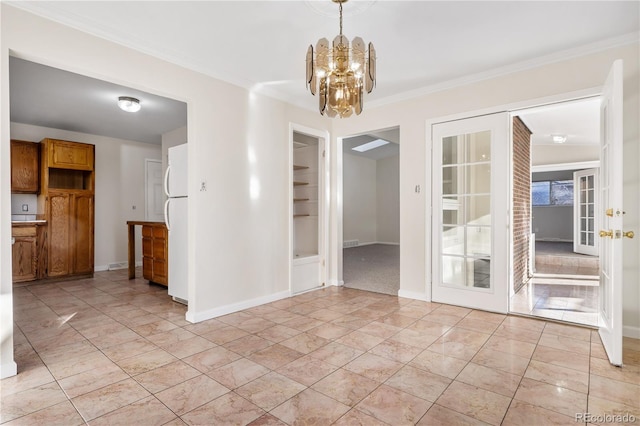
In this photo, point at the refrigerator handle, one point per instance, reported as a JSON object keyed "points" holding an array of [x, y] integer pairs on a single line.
{"points": [[166, 214], [166, 181]]}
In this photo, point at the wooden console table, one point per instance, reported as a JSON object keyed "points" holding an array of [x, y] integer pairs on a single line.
{"points": [[155, 256]]}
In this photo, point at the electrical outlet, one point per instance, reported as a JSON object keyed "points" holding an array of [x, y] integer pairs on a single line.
{"points": [[25, 207]]}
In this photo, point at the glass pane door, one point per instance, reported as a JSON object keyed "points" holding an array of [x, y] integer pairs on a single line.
{"points": [[585, 240], [470, 197]]}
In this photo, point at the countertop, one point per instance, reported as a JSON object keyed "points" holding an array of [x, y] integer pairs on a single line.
{"points": [[29, 222]]}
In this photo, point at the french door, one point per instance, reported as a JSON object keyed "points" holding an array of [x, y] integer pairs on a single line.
{"points": [[470, 223], [585, 208], [611, 217]]}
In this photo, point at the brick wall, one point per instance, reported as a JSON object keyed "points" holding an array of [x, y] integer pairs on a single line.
{"points": [[522, 270]]}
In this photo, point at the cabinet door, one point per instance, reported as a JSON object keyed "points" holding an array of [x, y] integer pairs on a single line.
{"points": [[71, 155], [24, 254], [82, 242], [25, 174], [59, 208]]}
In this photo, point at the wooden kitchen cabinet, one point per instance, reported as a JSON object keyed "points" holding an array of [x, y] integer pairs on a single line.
{"points": [[71, 229], [25, 167], [70, 155], [155, 253], [67, 198], [28, 254]]}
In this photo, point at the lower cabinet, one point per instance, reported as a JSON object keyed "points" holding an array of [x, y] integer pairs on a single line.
{"points": [[155, 253], [28, 252], [71, 246]]}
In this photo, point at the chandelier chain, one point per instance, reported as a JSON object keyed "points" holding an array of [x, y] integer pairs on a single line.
{"points": [[340, 18]]}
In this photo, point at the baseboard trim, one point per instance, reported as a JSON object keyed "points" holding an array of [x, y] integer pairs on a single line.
{"points": [[8, 369], [336, 283], [630, 331], [102, 268], [414, 295], [195, 317]]}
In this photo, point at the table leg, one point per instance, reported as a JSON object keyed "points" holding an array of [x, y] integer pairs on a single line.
{"points": [[132, 252]]}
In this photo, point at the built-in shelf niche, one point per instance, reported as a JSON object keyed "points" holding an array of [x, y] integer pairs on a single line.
{"points": [[305, 195]]}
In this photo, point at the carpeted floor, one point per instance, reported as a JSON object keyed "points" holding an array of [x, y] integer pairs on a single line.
{"points": [[374, 267]]}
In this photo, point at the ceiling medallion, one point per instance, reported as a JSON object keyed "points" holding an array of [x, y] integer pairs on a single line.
{"points": [[340, 74]]}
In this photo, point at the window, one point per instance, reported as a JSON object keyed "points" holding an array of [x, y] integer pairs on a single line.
{"points": [[552, 193]]}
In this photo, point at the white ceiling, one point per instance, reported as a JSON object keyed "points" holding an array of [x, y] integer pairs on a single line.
{"points": [[579, 121], [389, 150], [422, 46]]}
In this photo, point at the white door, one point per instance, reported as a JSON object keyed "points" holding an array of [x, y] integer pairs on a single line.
{"points": [[470, 221], [585, 209], [610, 310], [154, 195]]}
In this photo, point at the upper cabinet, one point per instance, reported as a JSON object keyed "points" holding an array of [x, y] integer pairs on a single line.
{"points": [[70, 155], [25, 171]]}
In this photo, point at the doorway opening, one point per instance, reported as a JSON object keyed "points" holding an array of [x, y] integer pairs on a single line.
{"points": [[556, 151], [371, 211]]}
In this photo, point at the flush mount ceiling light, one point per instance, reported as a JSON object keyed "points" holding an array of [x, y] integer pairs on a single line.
{"points": [[559, 138], [129, 104], [370, 145], [340, 74]]}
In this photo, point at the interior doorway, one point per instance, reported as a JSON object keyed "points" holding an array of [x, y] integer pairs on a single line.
{"points": [[555, 261], [371, 211]]}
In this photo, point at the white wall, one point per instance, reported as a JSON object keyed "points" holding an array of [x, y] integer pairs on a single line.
{"points": [[119, 174], [360, 209], [388, 200], [559, 154], [371, 199], [521, 88]]}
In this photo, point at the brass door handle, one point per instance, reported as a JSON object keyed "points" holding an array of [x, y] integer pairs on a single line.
{"points": [[608, 233], [628, 234]]}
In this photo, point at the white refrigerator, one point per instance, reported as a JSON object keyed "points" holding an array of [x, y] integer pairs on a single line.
{"points": [[175, 217]]}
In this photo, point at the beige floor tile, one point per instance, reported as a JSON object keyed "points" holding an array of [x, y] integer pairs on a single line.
{"points": [[310, 407], [490, 379], [31, 377], [574, 332], [63, 413], [527, 323], [76, 365], [441, 416], [238, 373], [270, 390], [336, 354], [224, 335], [91, 380], [420, 383], [146, 362], [228, 409], [248, 344], [304, 343], [106, 340], [511, 346], [166, 376], [478, 325], [275, 356], [393, 406], [346, 387], [357, 418], [373, 366], [502, 361], [613, 390], [378, 329], [129, 349], [523, 414], [145, 411], [211, 359], [278, 333], [627, 373], [191, 394], [561, 358], [602, 407], [396, 351], [558, 376], [565, 343], [438, 363], [361, 341], [554, 398], [303, 324], [30, 400], [474, 402], [516, 333], [329, 331], [109, 398], [307, 370], [443, 318]]}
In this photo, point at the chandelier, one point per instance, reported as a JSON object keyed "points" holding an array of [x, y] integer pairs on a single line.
{"points": [[340, 73]]}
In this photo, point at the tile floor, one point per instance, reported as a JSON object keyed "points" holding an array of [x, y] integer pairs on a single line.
{"points": [[109, 351]]}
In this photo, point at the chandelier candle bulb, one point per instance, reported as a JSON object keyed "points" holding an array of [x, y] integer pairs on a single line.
{"points": [[340, 73]]}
